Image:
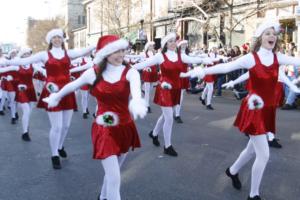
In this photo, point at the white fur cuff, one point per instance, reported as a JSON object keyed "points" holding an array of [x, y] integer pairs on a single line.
{"points": [[255, 102]]}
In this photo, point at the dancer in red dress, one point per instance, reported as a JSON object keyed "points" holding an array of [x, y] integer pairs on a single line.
{"points": [[113, 131], [258, 110], [57, 65]]}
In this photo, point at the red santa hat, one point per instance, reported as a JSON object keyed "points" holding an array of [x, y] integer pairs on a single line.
{"points": [[148, 45], [24, 50], [168, 37], [267, 23], [54, 32], [181, 42], [107, 45]]}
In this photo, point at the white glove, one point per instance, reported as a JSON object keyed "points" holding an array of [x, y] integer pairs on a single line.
{"points": [[228, 85], [9, 78], [166, 85], [255, 102], [148, 69], [52, 100], [138, 108]]}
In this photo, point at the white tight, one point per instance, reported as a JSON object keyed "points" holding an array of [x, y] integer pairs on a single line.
{"points": [[60, 123], [84, 100], [207, 92], [112, 179], [271, 136], [147, 87], [257, 145], [26, 110], [3, 99], [12, 103], [178, 107], [165, 122]]}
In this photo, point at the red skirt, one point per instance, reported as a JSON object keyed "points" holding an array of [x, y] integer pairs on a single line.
{"points": [[255, 122], [4, 85], [150, 76], [26, 96], [167, 98], [279, 94], [185, 83], [209, 78], [108, 141], [66, 103], [11, 86]]}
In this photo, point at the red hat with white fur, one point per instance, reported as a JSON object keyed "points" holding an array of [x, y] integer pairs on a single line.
{"points": [[107, 45]]}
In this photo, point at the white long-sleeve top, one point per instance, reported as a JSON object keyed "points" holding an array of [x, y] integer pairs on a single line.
{"points": [[158, 59], [57, 53]]}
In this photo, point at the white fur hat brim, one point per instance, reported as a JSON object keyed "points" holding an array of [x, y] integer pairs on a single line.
{"points": [[182, 42], [24, 50], [268, 23], [54, 32], [109, 49], [148, 45], [168, 37]]}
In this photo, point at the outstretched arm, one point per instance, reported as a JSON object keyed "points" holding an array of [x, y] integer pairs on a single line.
{"points": [[88, 77], [8, 69], [287, 81], [195, 60], [288, 60], [240, 79], [82, 67], [153, 60], [75, 53], [38, 57]]}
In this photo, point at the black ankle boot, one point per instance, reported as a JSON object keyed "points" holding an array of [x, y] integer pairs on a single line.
{"points": [[154, 139], [275, 144], [170, 151], [236, 183], [2, 112], [85, 115], [26, 137], [17, 116], [55, 162], [178, 120], [13, 120], [202, 100], [87, 111], [254, 198], [209, 107], [149, 109], [62, 153]]}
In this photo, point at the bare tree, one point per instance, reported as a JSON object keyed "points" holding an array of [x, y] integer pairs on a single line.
{"points": [[37, 30]]}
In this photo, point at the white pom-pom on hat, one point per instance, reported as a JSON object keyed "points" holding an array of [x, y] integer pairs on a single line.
{"points": [[54, 32]]}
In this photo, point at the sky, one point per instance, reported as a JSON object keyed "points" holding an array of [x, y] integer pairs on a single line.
{"points": [[14, 14]]}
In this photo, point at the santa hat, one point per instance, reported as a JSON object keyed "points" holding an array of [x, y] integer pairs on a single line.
{"points": [[268, 23], [181, 42], [107, 45], [54, 32], [148, 45], [168, 37], [24, 50]]}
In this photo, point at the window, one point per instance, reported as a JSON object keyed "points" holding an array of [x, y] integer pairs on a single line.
{"points": [[79, 19]]}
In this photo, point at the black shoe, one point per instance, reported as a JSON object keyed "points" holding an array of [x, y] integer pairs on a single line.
{"points": [[254, 198], [154, 139], [87, 111], [94, 115], [178, 120], [62, 153], [2, 112], [247, 135], [85, 115], [55, 162], [26, 137], [170, 151], [274, 143], [236, 183], [17, 116], [202, 100], [209, 107], [149, 109], [13, 120]]}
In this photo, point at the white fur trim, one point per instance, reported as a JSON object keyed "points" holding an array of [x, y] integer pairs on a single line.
{"points": [[52, 87], [268, 23], [101, 121], [148, 44], [168, 37], [166, 85], [182, 42], [255, 102], [22, 87], [23, 51], [147, 69], [72, 78], [54, 32], [9, 78], [109, 49]]}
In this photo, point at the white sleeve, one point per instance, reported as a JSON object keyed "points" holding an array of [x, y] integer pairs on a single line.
{"points": [[133, 77], [242, 78], [82, 67], [191, 60], [153, 60], [8, 69], [287, 81], [75, 53], [288, 60], [40, 69], [244, 62], [38, 57]]}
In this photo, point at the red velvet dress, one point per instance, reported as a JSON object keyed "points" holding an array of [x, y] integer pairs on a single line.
{"points": [[39, 76], [262, 81], [28, 95], [185, 82], [11, 86], [3, 81], [150, 76], [170, 72], [113, 140], [58, 72]]}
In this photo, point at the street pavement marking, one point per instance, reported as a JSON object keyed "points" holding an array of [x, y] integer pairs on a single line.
{"points": [[295, 136], [225, 123]]}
